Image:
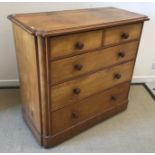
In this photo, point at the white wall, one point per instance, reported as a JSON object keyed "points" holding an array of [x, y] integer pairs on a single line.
{"points": [[8, 68]]}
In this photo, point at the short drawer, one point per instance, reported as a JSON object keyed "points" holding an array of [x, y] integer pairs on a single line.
{"points": [[89, 107], [123, 33], [75, 43], [88, 62], [77, 89]]}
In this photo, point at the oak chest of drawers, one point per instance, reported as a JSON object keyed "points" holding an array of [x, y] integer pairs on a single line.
{"points": [[75, 67]]}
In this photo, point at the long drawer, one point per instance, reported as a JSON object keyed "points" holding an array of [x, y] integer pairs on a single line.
{"points": [[89, 107], [75, 43], [78, 65], [120, 34], [77, 89]]}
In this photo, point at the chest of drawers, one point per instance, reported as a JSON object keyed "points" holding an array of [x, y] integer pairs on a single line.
{"points": [[75, 68]]}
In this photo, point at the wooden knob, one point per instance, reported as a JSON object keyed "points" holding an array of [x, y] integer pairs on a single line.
{"points": [[76, 90], [75, 114], [117, 76], [113, 98], [79, 46], [125, 35], [78, 66], [121, 54]]}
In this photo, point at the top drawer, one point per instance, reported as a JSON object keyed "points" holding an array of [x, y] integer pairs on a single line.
{"points": [[121, 34], [75, 43]]}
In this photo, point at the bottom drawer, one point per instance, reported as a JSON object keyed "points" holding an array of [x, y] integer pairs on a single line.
{"points": [[89, 107]]}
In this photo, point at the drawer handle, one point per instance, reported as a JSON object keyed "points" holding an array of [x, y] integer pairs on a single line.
{"points": [[117, 76], [78, 66], [75, 114], [121, 54], [76, 90], [113, 98], [79, 46], [125, 35]]}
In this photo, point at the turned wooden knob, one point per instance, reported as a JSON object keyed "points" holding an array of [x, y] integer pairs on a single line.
{"points": [[76, 90], [79, 46], [75, 114], [117, 76], [121, 54], [78, 66], [125, 35], [113, 98]]}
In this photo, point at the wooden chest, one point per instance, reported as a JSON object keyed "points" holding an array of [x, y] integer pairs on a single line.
{"points": [[75, 67]]}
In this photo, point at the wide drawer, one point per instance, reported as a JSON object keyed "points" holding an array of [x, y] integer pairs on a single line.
{"points": [[123, 33], [89, 107], [71, 67], [75, 43], [77, 89]]}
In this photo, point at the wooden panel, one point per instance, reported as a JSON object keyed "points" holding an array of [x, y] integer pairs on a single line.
{"points": [[44, 85], [122, 33], [27, 65], [75, 43], [58, 22], [78, 65], [68, 92], [76, 129], [89, 107]]}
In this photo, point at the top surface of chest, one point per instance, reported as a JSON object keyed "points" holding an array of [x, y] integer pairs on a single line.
{"points": [[58, 22]]}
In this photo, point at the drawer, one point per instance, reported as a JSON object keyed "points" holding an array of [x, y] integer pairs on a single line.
{"points": [[123, 33], [75, 43], [89, 107], [84, 63], [77, 89]]}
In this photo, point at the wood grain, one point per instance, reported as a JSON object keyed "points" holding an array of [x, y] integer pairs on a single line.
{"points": [[81, 126], [113, 35], [89, 107], [65, 69], [27, 66], [66, 45], [62, 94], [60, 22]]}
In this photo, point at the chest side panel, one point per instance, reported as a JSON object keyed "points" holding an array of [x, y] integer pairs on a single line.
{"points": [[27, 66]]}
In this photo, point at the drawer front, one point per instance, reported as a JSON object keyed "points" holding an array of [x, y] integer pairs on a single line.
{"points": [[122, 33], [75, 90], [74, 43], [78, 65], [89, 107]]}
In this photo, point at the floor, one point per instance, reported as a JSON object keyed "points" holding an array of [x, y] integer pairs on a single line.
{"points": [[150, 86], [130, 131]]}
